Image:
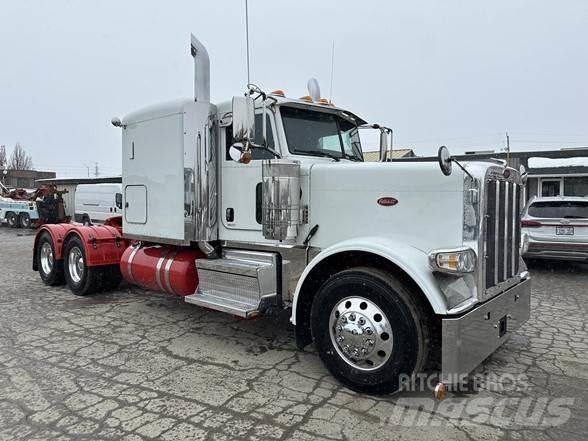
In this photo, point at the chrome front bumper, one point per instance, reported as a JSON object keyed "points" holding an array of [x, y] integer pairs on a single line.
{"points": [[470, 338]]}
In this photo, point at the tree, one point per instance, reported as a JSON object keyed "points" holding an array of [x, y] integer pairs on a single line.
{"points": [[2, 156], [19, 160]]}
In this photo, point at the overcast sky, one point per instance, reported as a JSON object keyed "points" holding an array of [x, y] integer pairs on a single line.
{"points": [[459, 73]]}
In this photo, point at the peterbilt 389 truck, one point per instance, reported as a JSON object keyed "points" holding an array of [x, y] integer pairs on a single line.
{"points": [[265, 202]]}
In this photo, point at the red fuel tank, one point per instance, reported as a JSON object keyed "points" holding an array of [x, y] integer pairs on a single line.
{"points": [[161, 268]]}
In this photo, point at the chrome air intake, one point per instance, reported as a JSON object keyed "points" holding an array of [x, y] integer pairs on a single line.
{"points": [[280, 199]]}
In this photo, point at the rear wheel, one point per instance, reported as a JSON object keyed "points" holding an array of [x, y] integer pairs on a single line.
{"points": [[369, 330], [81, 279], [24, 220], [12, 219], [50, 270]]}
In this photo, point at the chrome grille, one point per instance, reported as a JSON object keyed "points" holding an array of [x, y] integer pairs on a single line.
{"points": [[502, 232]]}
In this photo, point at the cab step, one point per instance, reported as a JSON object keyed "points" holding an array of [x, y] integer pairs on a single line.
{"points": [[241, 282]]}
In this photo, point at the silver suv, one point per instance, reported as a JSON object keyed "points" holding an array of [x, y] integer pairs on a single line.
{"points": [[555, 228]]}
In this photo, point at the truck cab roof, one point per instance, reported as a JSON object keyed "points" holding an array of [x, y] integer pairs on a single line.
{"points": [[224, 107]]}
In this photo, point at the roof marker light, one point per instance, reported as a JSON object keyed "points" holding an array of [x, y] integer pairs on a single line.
{"points": [[278, 92], [306, 98]]}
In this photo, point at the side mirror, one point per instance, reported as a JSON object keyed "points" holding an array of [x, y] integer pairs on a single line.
{"points": [[243, 119], [524, 174], [238, 153], [383, 145], [445, 160]]}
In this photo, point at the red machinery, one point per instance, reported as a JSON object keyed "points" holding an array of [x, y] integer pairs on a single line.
{"points": [[98, 256]]}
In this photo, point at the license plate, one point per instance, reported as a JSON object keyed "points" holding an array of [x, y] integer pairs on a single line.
{"points": [[564, 231]]}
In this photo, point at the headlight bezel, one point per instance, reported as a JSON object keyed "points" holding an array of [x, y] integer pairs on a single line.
{"points": [[456, 261]]}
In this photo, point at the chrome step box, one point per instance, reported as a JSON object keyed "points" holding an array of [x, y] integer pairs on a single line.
{"points": [[241, 282]]}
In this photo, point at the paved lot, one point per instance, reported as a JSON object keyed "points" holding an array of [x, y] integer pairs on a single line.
{"points": [[137, 365]]}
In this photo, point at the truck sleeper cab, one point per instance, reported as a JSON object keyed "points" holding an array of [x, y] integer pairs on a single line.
{"points": [[389, 268]]}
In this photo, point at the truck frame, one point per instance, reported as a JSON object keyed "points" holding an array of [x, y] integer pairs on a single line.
{"points": [[265, 202]]}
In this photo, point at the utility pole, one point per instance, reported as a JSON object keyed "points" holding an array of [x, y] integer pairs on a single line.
{"points": [[96, 169], [87, 169]]}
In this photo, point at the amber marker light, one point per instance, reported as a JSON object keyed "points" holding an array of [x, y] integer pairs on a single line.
{"points": [[245, 157]]}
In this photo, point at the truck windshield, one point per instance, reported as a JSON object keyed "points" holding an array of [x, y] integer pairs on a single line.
{"points": [[315, 133]]}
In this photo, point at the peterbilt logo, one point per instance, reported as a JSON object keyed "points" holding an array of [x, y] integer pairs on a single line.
{"points": [[387, 201]]}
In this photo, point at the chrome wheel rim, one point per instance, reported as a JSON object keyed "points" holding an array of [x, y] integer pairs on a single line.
{"points": [[75, 263], [361, 333], [46, 258]]}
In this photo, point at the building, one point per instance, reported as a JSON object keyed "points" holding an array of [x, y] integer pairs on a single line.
{"points": [[396, 154], [71, 184], [561, 172], [24, 178]]}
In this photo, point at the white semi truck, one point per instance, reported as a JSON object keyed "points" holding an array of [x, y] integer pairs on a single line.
{"points": [[264, 201]]}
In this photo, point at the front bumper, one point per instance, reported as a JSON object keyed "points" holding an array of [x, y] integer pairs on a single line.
{"points": [[469, 339]]}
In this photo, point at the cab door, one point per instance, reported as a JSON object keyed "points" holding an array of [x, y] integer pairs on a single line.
{"points": [[241, 186]]}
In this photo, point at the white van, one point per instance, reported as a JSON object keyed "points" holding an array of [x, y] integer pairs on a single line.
{"points": [[94, 203]]}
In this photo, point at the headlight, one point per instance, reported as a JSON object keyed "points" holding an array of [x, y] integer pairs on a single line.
{"points": [[462, 260]]}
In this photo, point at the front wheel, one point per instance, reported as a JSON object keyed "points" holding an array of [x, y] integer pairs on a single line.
{"points": [[369, 330], [81, 278]]}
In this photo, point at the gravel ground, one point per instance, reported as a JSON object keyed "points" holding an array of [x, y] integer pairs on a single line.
{"points": [[138, 365]]}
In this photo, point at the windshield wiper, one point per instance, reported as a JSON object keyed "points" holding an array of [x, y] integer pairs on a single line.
{"points": [[317, 153], [352, 158]]}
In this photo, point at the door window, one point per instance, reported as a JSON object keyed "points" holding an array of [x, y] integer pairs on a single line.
{"points": [[118, 200], [256, 153]]}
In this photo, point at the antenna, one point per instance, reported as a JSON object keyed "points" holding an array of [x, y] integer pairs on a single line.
{"points": [[332, 69], [247, 37], [507, 149]]}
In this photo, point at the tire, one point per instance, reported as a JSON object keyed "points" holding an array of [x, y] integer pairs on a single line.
{"points": [[50, 270], [24, 220], [81, 279], [393, 340], [12, 219]]}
